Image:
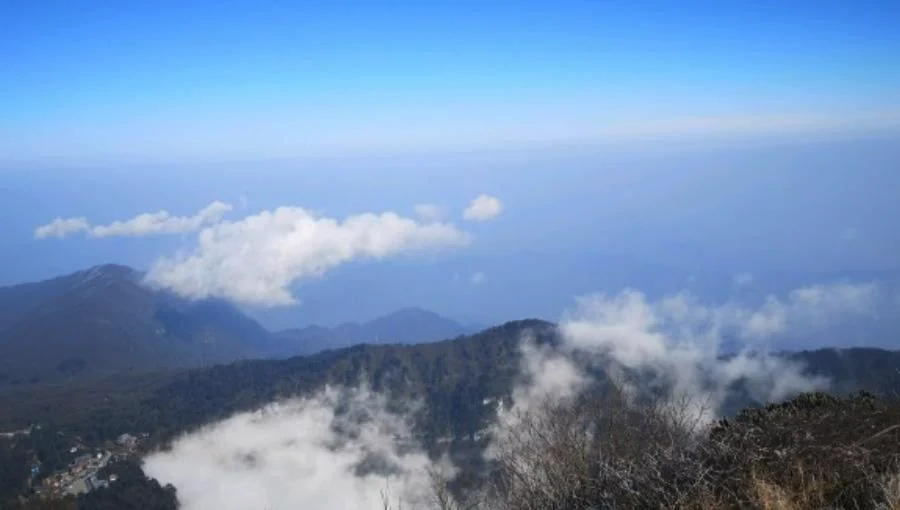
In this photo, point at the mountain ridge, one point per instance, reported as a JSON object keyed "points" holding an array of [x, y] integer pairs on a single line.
{"points": [[453, 378], [104, 320], [404, 326]]}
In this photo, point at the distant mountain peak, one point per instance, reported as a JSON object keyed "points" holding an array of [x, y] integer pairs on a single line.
{"points": [[102, 320], [109, 271], [404, 326], [411, 311], [105, 275]]}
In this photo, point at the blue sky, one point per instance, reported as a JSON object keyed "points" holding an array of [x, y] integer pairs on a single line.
{"points": [[657, 144], [214, 80]]}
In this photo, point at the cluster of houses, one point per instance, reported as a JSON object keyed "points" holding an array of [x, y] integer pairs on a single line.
{"points": [[82, 475]]}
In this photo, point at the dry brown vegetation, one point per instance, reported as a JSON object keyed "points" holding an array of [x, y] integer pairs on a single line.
{"points": [[595, 451], [812, 452], [815, 451]]}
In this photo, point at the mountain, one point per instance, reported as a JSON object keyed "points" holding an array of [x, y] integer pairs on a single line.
{"points": [[451, 378], [456, 381], [103, 321], [405, 326]]}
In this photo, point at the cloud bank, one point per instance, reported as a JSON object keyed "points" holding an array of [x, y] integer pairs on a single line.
{"points": [[300, 454], [676, 345], [144, 224], [255, 260], [62, 227], [483, 208], [681, 346]]}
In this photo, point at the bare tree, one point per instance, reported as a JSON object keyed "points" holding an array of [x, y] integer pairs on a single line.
{"points": [[604, 451], [597, 452]]}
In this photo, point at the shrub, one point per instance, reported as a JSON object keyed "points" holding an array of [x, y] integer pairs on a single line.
{"points": [[815, 451]]}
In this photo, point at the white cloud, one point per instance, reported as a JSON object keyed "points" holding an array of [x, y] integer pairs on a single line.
{"points": [[300, 454], [806, 310], [477, 278], [679, 341], [255, 260], [61, 227], [548, 374], [824, 300], [483, 207], [144, 224], [429, 212], [679, 344], [162, 222]]}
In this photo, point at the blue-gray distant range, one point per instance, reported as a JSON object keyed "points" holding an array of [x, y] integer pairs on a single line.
{"points": [[104, 321]]}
